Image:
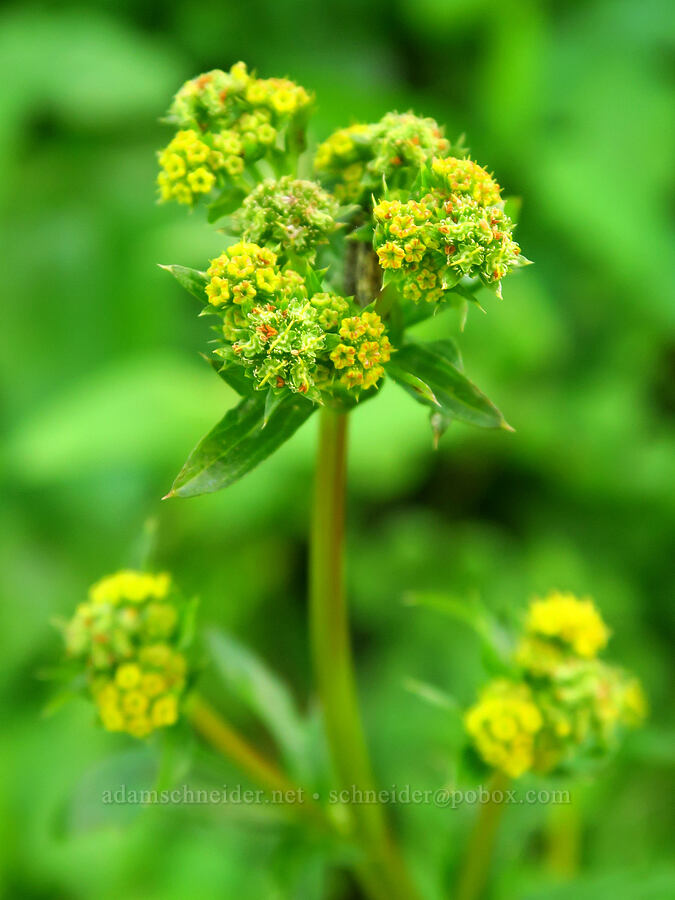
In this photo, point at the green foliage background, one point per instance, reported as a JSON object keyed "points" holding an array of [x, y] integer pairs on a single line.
{"points": [[103, 395]]}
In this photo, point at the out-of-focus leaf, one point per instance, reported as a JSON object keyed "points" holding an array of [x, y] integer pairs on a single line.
{"points": [[431, 694], [495, 643], [436, 365], [227, 203], [192, 280], [110, 793], [249, 679], [238, 443]]}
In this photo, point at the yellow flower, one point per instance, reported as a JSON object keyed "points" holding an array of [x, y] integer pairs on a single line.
{"points": [[112, 718], [503, 725], [234, 165], [390, 255], [153, 684], [201, 180], [139, 726], [573, 621], [267, 279], [284, 101], [174, 166], [164, 711], [134, 703], [343, 356], [127, 676]]}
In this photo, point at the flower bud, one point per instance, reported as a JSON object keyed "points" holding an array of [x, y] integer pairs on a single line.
{"points": [[290, 215], [353, 161]]}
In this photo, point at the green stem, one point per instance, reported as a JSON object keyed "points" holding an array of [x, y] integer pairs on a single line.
{"points": [[216, 731], [476, 869], [329, 633]]}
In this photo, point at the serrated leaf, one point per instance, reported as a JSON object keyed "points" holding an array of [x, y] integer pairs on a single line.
{"points": [[238, 443], [438, 366], [251, 681], [192, 280]]}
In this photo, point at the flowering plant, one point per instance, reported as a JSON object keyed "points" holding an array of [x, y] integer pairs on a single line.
{"points": [[311, 301]]}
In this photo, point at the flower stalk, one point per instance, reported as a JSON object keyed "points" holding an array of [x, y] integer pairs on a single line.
{"points": [[333, 664], [476, 869]]}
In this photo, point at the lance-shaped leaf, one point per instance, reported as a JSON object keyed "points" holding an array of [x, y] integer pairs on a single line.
{"points": [[249, 679], [192, 280], [431, 373], [241, 440]]}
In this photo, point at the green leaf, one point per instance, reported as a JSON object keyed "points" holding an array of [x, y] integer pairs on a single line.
{"points": [[437, 367], [440, 422], [251, 682], [192, 280], [432, 695], [227, 203], [238, 443], [272, 402], [495, 642], [109, 793], [233, 376]]}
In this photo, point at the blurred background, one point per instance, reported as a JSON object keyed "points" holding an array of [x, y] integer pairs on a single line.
{"points": [[104, 394]]}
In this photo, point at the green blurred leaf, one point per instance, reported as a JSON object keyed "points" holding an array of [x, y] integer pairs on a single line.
{"points": [[192, 280], [109, 793], [436, 365], [432, 695], [250, 680], [238, 443], [495, 642]]}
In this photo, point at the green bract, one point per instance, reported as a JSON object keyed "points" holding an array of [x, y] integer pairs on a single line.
{"points": [[312, 302]]}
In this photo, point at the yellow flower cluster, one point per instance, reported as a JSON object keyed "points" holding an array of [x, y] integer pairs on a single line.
{"points": [[279, 94], [247, 275], [362, 349], [503, 725], [227, 119], [353, 161], [576, 623], [464, 176], [143, 695], [125, 637], [582, 703], [457, 228], [130, 585], [188, 168]]}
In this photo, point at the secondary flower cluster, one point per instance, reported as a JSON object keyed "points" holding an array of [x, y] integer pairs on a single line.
{"points": [[284, 336], [226, 121], [125, 637], [291, 215], [454, 227], [568, 706], [353, 161]]}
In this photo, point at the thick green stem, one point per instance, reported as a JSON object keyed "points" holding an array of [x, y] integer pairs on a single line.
{"points": [[329, 631], [476, 869]]}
